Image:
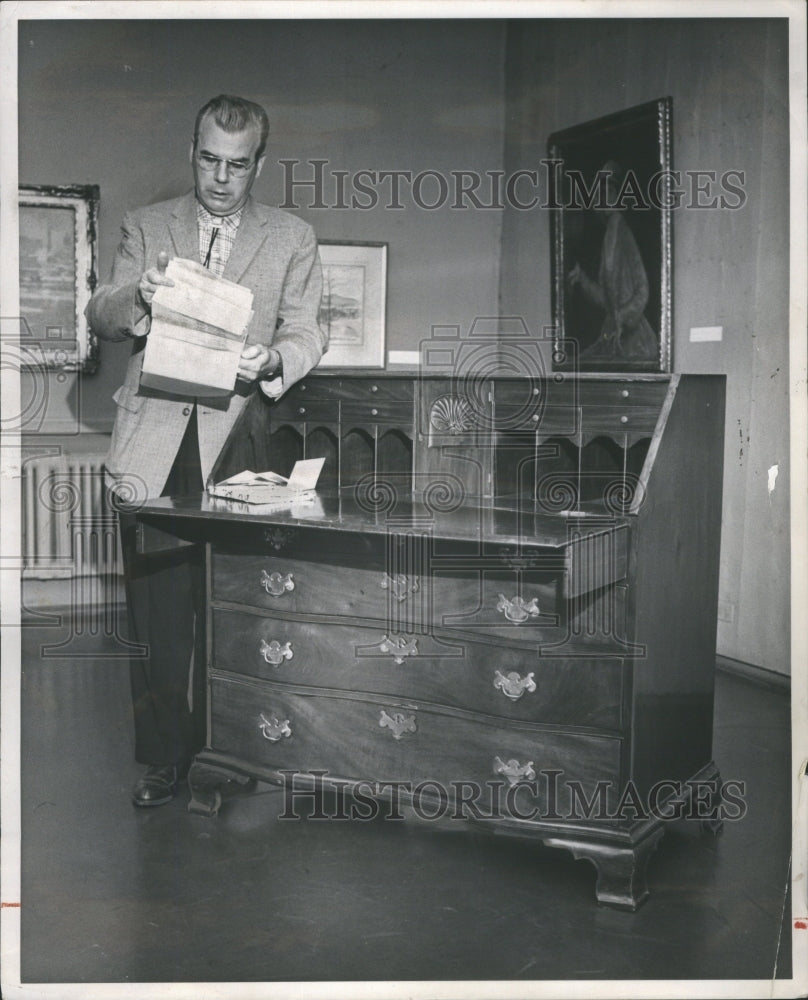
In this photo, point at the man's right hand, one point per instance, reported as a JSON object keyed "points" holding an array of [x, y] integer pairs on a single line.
{"points": [[153, 278]]}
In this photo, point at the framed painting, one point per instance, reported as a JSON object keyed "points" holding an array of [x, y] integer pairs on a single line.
{"points": [[58, 274], [353, 306], [610, 194]]}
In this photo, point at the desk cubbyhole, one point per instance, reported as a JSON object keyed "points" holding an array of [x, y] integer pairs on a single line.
{"points": [[561, 474], [394, 459], [286, 447], [378, 458], [322, 442]]}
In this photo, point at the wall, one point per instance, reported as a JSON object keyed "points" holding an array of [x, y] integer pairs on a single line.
{"points": [[113, 103], [729, 84]]}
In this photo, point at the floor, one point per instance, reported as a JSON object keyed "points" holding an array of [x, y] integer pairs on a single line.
{"points": [[118, 895]]}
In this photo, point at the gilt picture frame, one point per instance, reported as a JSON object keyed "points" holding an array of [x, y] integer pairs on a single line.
{"points": [[612, 248], [58, 274], [353, 307]]}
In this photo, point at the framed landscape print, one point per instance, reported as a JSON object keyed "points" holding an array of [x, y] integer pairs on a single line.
{"points": [[612, 246], [58, 274], [352, 310]]}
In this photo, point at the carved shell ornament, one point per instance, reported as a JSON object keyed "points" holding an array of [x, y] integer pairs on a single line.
{"points": [[452, 415]]}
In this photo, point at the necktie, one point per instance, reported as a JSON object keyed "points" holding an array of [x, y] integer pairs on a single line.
{"points": [[210, 248]]}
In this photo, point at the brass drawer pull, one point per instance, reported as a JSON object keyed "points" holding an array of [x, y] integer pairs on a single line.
{"points": [[397, 723], [276, 584], [514, 771], [274, 729], [274, 653], [512, 685], [399, 586], [518, 610], [399, 646]]}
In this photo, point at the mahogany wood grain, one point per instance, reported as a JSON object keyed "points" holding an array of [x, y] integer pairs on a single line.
{"points": [[444, 669], [371, 588], [342, 734]]}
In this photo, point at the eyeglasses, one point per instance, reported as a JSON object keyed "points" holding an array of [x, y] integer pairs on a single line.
{"points": [[236, 168]]}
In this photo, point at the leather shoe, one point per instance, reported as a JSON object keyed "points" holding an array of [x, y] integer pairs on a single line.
{"points": [[156, 786]]}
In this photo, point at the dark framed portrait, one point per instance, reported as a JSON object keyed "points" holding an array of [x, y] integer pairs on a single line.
{"points": [[611, 194]]}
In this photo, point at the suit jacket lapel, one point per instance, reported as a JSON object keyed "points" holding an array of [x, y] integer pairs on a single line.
{"points": [[184, 230], [252, 232]]}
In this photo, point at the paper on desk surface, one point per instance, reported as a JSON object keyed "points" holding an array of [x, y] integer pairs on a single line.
{"points": [[198, 329], [270, 487], [304, 476], [302, 505], [248, 476]]}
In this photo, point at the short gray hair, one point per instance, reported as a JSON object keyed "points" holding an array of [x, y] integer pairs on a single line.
{"points": [[235, 114]]}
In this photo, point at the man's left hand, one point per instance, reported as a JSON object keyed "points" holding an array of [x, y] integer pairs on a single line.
{"points": [[258, 362]]}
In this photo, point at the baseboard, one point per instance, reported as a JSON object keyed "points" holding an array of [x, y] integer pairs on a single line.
{"points": [[758, 675]]}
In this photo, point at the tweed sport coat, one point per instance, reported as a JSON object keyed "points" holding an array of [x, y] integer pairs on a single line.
{"points": [[275, 256]]}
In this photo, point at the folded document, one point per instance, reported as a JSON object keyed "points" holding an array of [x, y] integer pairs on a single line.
{"points": [[269, 487], [198, 328]]}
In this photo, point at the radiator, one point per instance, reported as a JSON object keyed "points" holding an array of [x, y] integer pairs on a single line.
{"points": [[68, 527]]}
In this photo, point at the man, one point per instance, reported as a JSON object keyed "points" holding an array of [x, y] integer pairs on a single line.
{"points": [[164, 444]]}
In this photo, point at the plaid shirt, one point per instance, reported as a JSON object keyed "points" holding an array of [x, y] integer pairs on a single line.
{"points": [[227, 226]]}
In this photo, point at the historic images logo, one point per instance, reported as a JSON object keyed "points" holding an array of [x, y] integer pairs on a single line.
{"points": [[523, 794], [316, 185]]}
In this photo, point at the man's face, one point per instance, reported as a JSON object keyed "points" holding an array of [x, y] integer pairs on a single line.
{"points": [[216, 151]]}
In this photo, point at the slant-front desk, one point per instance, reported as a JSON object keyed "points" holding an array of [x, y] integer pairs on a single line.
{"points": [[500, 610]]}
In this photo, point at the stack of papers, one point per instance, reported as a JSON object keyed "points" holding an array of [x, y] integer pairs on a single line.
{"points": [[310, 506], [198, 329], [269, 487]]}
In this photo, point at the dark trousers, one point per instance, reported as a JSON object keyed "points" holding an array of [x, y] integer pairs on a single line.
{"points": [[165, 595]]}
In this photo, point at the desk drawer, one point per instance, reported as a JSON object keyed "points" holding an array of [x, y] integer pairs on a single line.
{"points": [[381, 739], [499, 680], [299, 408], [564, 391], [324, 573], [377, 411], [571, 407], [608, 393], [377, 391], [356, 401], [351, 576], [569, 421], [327, 574]]}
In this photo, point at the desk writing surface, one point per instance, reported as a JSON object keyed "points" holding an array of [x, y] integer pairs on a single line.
{"points": [[344, 512]]}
